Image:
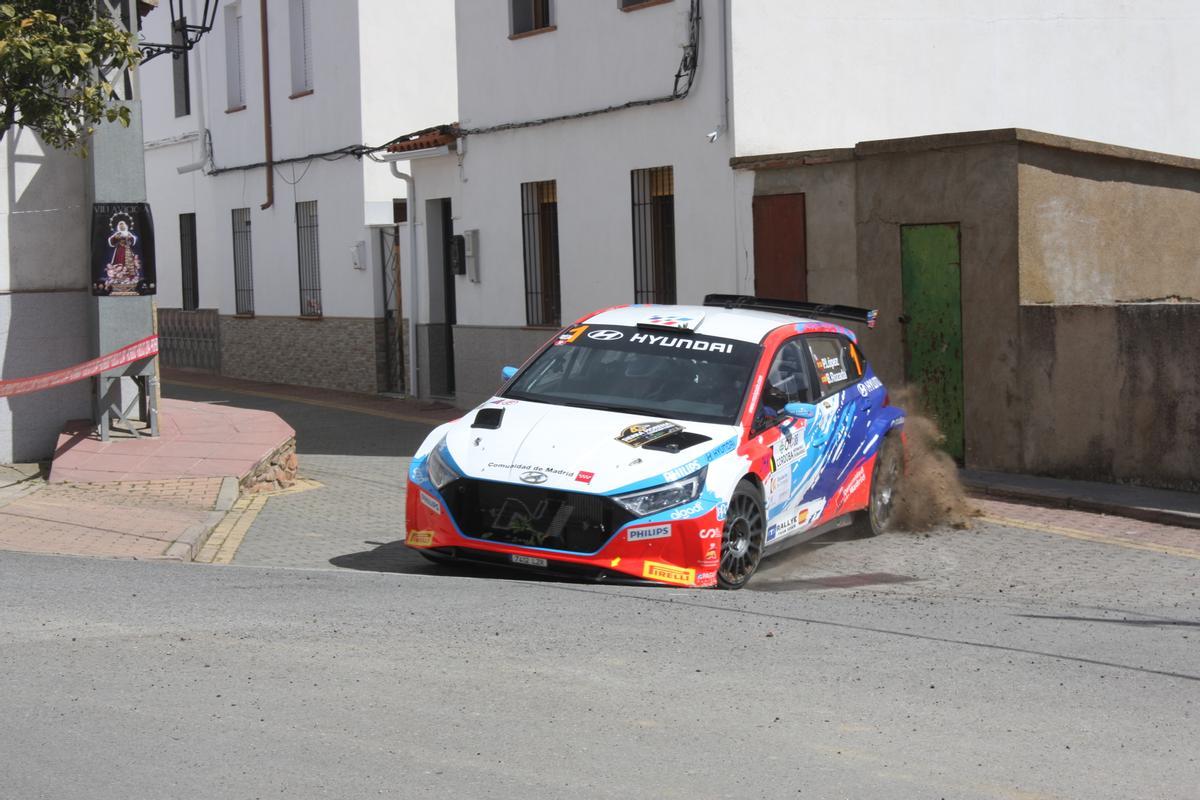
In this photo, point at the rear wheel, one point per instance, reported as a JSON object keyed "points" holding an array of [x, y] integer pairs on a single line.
{"points": [[885, 481], [743, 537]]}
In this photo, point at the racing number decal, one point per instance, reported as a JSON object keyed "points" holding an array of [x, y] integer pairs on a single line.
{"points": [[571, 335]]}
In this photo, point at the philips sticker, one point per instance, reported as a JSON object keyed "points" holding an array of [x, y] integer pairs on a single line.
{"points": [[647, 532], [430, 503]]}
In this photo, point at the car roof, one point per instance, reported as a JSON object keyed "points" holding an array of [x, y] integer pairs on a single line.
{"points": [[726, 323]]}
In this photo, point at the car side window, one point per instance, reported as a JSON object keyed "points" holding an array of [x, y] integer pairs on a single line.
{"points": [[837, 360], [789, 380]]}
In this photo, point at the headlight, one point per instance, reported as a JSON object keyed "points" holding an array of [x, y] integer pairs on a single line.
{"points": [[439, 471], [669, 495]]}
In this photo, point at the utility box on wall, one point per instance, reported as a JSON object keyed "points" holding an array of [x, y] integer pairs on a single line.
{"points": [[471, 254], [458, 255]]}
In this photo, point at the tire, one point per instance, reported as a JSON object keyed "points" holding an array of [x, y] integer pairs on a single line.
{"points": [[885, 481], [743, 536]]}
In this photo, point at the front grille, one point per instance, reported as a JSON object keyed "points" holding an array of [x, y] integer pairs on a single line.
{"points": [[533, 516]]}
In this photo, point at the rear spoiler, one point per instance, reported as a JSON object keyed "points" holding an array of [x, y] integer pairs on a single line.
{"points": [[793, 307]]}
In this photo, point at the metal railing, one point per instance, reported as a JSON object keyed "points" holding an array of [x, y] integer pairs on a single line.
{"points": [[307, 249], [539, 229], [653, 196], [243, 262]]}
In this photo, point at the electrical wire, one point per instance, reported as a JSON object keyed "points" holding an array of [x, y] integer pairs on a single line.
{"points": [[685, 77]]}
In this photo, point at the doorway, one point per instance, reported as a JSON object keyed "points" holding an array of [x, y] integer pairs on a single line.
{"points": [[780, 247], [443, 310], [933, 360]]}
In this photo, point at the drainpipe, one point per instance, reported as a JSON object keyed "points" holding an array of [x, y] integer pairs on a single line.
{"points": [[267, 135], [411, 202]]}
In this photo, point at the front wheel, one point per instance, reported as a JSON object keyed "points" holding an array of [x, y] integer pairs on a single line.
{"points": [[743, 538], [885, 481]]}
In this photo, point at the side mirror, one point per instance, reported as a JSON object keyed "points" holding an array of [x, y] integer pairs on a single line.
{"points": [[506, 373], [801, 410]]}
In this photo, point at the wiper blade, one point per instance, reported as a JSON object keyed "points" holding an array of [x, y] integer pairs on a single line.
{"points": [[615, 409]]}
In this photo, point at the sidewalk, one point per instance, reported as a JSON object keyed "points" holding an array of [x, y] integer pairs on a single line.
{"points": [[141, 497], [162, 519], [1161, 506]]}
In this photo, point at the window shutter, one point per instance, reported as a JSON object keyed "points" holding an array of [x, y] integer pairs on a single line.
{"points": [[235, 90], [301, 29]]}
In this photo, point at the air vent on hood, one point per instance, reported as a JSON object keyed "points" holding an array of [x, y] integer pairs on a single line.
{"points": [[488, 418], [677, 442]]}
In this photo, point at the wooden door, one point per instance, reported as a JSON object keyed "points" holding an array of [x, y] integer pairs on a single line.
{"points": [[780, 249]]}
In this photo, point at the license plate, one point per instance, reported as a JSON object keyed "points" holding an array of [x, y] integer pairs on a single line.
{"points": [[529, 561]]}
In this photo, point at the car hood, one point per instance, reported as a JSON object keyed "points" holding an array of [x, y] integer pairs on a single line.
{"points": [[575, 449]]}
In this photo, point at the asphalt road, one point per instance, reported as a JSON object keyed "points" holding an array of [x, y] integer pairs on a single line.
{"points": [[123, 680], [990, 663]]}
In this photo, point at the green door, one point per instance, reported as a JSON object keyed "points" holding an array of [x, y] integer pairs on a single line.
{"points": [[933, 333]]}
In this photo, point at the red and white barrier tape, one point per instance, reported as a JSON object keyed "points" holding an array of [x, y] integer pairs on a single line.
{"points": [[118, 358]]}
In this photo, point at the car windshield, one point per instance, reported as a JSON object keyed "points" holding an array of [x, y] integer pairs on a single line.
{"points": [[653, 372]]}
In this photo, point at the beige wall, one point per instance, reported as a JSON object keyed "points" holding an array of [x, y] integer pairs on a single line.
{"points": [[1097, 230]]}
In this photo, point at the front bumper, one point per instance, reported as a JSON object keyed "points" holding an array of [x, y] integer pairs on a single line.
{"points": [[657, 549]]}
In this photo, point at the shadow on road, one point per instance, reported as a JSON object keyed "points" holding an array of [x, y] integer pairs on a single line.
{"points": [[321, 429], [398, 557]]}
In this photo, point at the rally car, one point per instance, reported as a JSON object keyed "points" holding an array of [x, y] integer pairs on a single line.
{"points": [[671, 444]]}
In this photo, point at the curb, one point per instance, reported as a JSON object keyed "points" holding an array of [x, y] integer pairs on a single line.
{"points": [[188, 545], [1052, 499]]}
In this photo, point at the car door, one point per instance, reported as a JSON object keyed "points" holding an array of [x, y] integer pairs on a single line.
{"points": [[795, 445], [840, 422]]}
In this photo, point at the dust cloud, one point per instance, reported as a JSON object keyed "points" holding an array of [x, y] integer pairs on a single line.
{"points": [[929, 494]]}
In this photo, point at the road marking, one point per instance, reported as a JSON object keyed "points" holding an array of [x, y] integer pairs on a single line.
{"points": [[306, 401], [1164, 549]]}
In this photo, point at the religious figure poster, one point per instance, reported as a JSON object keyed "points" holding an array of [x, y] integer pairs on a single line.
{"points": [[122, 249]]}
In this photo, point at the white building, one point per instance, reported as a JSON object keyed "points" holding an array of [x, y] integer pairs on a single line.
{"points": [[45, 300], [616, 200], [288, 260]]}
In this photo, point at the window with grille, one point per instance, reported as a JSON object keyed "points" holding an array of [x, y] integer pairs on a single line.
{"points": [[653, 193], [235, 88], [539, 227], [530, 15], [179, 69], [189, 262], [307, 247], [301, 24], [243, 264]]}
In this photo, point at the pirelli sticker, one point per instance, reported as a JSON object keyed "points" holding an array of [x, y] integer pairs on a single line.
{"points": [[419, 539], [668, 573]]}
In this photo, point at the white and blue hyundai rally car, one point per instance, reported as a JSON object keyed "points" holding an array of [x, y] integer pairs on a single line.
{"points": [[671, 444]]}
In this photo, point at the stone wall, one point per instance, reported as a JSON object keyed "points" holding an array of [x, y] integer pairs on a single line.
{"points": [[1080, 267], [331, 352], [1112, 393]]}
